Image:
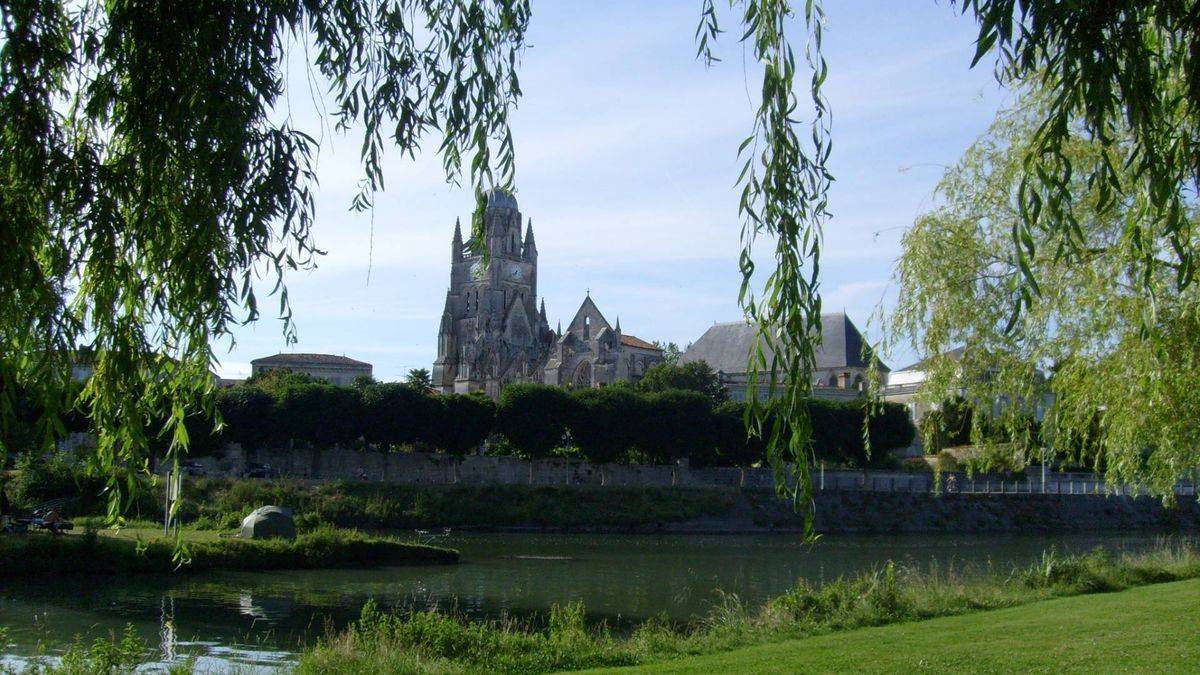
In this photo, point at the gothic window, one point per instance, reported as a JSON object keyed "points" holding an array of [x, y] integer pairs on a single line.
{"points": [[833, 379], [583, 376]]}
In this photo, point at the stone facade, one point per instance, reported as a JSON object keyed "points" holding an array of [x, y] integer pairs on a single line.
{"points": [[493, 330]]}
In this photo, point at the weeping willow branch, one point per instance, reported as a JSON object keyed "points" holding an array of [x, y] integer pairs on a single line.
{"points": [[784, 186]]}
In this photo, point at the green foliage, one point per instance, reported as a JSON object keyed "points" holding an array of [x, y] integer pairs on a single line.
{"points": [[677, 424], [420, 379], [463, 422], [320, 414], [735, 446], [248, 415], [1118, 390], [397, 414], [57, 475], [695, 376], [838, 434], [534, 417], [1124, 74], [606, 421], [275, 381], [671, 352], [947, 462]]}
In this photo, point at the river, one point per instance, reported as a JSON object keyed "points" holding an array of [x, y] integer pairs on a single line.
{"points": [[260, 620]]}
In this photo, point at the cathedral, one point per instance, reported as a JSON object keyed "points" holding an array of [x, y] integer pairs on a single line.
{"points": [[493, 331]]}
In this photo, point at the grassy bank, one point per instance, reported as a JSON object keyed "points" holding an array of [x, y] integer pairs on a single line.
{"points": [[135, 552], [222, 503], [1151, 630], [437, 642]]}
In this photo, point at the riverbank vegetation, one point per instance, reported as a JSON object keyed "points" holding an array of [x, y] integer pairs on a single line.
{"points": [[1150, 630], [147, 551], [433, 641], [221, 503], [215, 502]]}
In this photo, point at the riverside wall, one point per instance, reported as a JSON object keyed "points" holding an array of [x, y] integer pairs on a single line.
{"points": [[845, 501]]}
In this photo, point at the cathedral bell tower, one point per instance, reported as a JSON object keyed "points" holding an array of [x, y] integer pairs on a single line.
{"points": [[491, 331]]}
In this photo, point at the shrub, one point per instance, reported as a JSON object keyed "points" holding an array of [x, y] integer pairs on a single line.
{"points": [[678, 424], [605, 421], [696, 376], [247, 413], [734, 445], [947, 462], [396, 414], [534, 417], [462, 422]]}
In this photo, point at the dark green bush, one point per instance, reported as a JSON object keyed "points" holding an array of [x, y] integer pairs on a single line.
{"points": [[462, 422], [534, 417], [605, 422]]}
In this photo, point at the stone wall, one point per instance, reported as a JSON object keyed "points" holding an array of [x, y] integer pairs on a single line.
{"points": [[437, 469]]}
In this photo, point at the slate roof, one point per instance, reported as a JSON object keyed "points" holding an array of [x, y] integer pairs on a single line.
{"points": [[955, 354], [633, 341], [726, 346], [307, 359]]}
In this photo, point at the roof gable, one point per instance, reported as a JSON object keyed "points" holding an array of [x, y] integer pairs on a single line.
{"points": [[588, 310]]}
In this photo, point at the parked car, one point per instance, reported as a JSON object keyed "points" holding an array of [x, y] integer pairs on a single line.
{"points": [[193, 469], [254, 470]]}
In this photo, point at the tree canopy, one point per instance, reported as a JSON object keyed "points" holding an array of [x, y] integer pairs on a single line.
{"points": [[1109, 343], [696, 376]]}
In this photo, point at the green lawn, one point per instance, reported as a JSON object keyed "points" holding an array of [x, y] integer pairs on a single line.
{"points": [[1148, 629]]}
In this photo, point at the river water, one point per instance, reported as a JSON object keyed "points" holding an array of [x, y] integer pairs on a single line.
{"points": [[260, 620]]}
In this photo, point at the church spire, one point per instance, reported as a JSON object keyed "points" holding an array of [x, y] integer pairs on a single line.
{"points": [[543, 311], [530, 247], [618, 328], [456, 248]]}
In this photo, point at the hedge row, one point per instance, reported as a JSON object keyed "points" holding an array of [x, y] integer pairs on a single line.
{"points": [[611, 424]]}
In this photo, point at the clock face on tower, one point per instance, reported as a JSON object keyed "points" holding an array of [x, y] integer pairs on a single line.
{"points": [[515, 272]]}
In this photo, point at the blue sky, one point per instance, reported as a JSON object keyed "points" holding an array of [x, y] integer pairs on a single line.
{"points": [[626, 162]]}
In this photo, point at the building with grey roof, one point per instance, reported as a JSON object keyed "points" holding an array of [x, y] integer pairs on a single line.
{"points": [[841, 367], [334, 369]]}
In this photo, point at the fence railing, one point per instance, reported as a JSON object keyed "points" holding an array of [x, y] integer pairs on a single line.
{"points": [[962, 484]]}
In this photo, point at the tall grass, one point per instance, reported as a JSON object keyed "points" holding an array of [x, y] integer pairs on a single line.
{"points": [[434, 641]]}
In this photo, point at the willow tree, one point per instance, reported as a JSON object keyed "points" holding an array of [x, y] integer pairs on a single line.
{"points": [[1116, 343]]}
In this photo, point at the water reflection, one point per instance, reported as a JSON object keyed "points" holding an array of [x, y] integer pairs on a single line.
{"points": [[259, 620]]}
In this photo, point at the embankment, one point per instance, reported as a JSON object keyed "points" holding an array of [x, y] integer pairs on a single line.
{"points": [[221, 503]]}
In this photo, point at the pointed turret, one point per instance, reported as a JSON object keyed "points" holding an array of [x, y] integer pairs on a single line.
{"points": [[530, 252], [542, 313], [456, 248], [618, 326]]}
